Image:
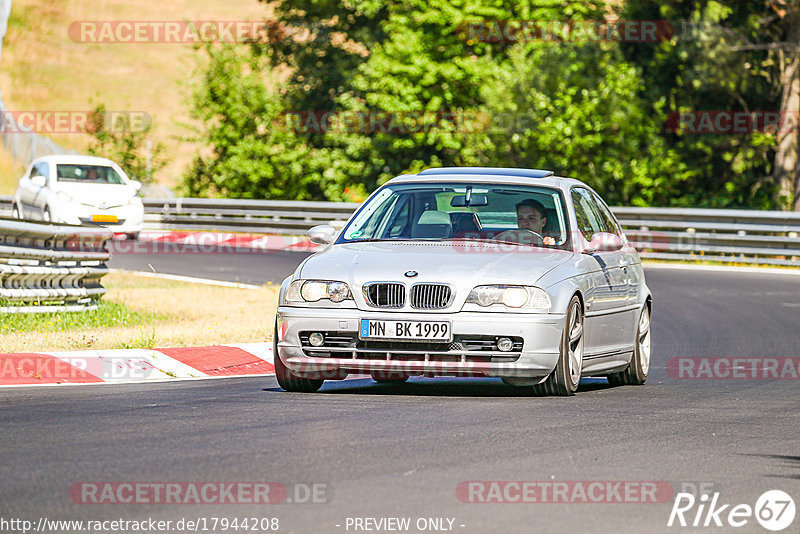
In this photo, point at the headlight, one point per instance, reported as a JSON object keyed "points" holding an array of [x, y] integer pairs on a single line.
{"points": [[315, 290], [64, 197], [134, 200], [528, 297]]}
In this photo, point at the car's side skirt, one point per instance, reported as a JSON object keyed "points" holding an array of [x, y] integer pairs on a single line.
{"points": [[606, 363]]}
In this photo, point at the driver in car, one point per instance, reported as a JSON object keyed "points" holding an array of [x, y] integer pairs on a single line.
{"points": [[531, 216]]}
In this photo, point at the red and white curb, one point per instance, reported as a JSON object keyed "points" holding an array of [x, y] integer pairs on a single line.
{"points": [[136, 365]]}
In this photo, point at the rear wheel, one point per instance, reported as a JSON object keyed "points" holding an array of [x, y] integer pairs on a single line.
{"points": [[566, 376], [636, 373], [288, 380]]}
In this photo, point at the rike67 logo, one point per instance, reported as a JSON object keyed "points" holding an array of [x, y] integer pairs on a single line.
{"points": [[774, 510]]}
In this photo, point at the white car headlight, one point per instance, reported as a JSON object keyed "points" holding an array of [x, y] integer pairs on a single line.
{"points": [[63, 196], [316, 290], [527, 297]]}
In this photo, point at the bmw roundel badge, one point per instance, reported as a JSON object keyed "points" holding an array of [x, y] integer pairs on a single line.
{"points": [[411, 274]]}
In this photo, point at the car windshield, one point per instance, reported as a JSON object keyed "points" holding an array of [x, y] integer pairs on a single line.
{"points": [[461, 211], [90, 174]]}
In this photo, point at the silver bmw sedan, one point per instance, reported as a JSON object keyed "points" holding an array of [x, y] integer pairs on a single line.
{"points": [[472, 272]]}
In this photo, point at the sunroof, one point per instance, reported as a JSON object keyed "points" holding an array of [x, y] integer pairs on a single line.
{"points": [[494, 171]]}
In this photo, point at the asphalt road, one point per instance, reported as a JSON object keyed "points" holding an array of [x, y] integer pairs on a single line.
{"points": [[401, 451], [246, 268]]}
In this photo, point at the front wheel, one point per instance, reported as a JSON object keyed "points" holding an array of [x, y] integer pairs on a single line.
{"points": [[566, 376], [636, 373], [288, 380]]}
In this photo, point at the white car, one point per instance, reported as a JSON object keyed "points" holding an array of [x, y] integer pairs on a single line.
{"points": [[509, 273], [80, 190]]}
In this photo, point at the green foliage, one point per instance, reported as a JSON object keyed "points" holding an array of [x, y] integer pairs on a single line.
{"points": [[575, 109], [124, 142], [702, 68], [255, 155], [595, 111]]}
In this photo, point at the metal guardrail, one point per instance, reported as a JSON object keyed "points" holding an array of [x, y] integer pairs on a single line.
{"points": [[230, 215], [745, 236], [48, 267]]}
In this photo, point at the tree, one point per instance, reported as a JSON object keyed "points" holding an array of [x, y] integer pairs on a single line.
{"points": [[725, 55], [124, 142], [576, 109], [254, 155]]}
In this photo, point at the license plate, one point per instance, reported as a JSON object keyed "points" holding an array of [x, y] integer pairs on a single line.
{"points": [[407, 330], [105, 218]]}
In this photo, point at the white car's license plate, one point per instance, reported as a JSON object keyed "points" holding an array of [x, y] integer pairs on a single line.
{"points": [[408, 330]]}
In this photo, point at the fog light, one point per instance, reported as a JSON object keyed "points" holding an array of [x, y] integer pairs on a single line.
{"points": [[316, 339], [504, 344]]}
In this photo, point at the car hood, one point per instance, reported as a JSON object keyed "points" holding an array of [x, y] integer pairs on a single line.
{"points": [[97, 194], [461, 264]]}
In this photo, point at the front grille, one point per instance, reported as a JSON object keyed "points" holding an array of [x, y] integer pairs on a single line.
{"points": [[430, 296], [385, 294]]}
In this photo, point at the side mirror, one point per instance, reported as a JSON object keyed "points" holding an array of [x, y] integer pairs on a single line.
{"points": [[605, 242], [322, 234], [39, 180], [135, 184]]}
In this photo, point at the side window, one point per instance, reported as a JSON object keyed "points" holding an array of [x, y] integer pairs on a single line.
{"points": [[607, 217], [589, 220]]}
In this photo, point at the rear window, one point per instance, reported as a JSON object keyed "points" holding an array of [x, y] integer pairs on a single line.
{"points": [[92, 174]]}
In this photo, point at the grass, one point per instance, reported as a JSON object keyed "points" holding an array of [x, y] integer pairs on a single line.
{"points": [[107, 315], [43, 69], [145, 313], [10, 171]]}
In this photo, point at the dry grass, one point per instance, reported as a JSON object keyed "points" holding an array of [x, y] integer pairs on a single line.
{"points": [[10, 171], [197, 315], [43, 69]]}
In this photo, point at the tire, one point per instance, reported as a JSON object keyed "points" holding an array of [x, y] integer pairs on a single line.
{"points": [[132, 236], [286, 379], [636, 372], [564, 379], [388, 378]]}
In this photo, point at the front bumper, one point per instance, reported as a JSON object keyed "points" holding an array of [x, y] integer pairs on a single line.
{"points": [[540, 335], [130, 216]]}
